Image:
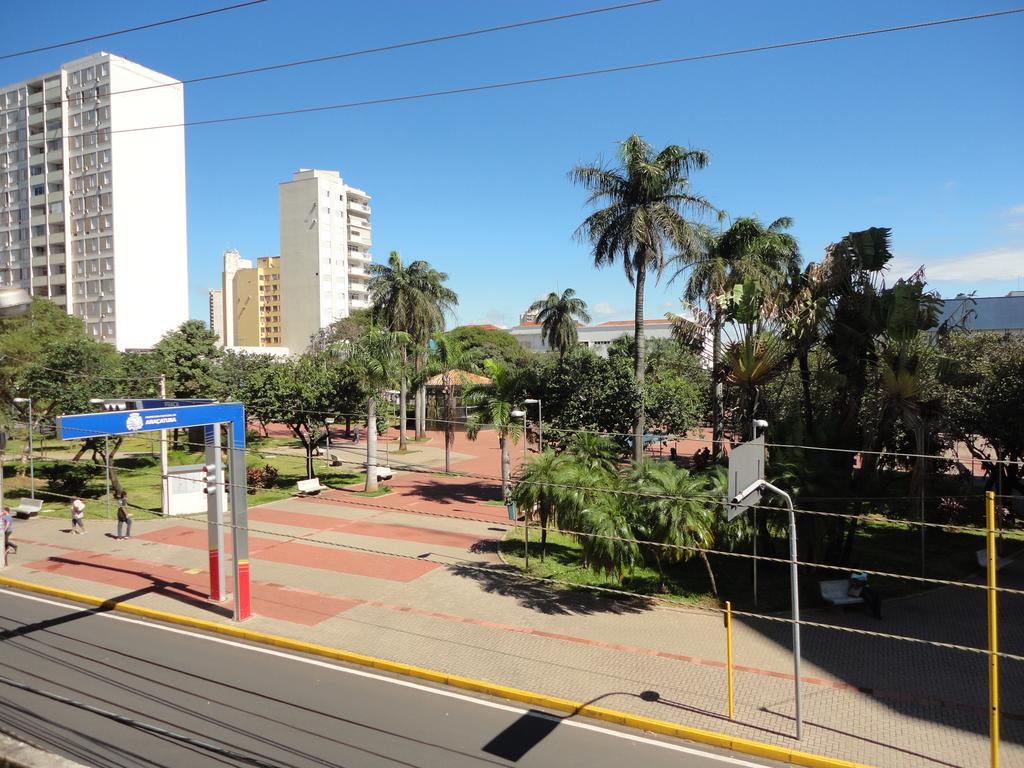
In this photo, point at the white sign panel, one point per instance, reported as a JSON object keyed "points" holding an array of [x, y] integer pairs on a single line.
{"points": [[746, 466]]}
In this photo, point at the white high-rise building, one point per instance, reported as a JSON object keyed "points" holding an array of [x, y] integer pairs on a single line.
{"points": [[217, 314], [325, 241], [92, 210]]}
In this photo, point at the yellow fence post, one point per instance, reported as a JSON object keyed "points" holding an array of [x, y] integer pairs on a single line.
{"points": [[728, 653], [993, 631]]}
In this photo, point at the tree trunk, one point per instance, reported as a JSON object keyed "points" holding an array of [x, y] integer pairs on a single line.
{"points": [[545, 514], [403, 388], [639, 357], [711, 573], [371, 444], [449, 434], [717, 423], [503, 442], [421, 412], [805, 384]]}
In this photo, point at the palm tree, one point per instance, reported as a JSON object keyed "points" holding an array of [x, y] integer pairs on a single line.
{"points": [[674, 514], [558, 316], [746, 250], [446, 358], [412, 299], [494, 404], [376, 360], [540, 487], [593, 452], [644, 205]]}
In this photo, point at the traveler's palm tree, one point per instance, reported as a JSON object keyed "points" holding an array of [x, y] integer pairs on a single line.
{"points": [[376, 360], [414, 299], [493, 405], [558, 316], [747, 250], [644, 207]]}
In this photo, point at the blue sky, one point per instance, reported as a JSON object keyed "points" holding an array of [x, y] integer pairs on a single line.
{"points": [[919, 131]]}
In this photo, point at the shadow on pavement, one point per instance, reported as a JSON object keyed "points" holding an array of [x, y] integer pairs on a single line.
{"points": [[507, 581]]}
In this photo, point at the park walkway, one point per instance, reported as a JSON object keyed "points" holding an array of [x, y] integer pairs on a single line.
{"points": [[414, 576]]}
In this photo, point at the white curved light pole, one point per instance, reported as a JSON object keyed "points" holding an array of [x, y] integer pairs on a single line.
{"points": [[31, 451], [794, 583], [540, 422], [521, 413]]}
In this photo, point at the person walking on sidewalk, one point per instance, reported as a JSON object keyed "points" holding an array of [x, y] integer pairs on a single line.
{"points": [[8, 523], [124, 516], [77, 515]]}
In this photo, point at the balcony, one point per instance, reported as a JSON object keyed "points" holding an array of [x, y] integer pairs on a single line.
{"points": [[356, 221], [35, 97]]}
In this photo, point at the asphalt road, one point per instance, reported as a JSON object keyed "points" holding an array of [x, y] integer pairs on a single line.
{"points": [[268, 707]]}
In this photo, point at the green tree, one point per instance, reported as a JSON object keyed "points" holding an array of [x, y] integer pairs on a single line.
{"points": [[188, 356], [411, 299], [746, 251], [446, 358], [539, 488], [494, 404], [250, 379], [558, 316], [375, 359], [346, 329], [304, 390], [645, 204], [479, 344]]}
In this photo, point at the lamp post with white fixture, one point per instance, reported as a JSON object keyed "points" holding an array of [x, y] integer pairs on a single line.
{"points": [[31, 451], [329, 421], [517, 414]]}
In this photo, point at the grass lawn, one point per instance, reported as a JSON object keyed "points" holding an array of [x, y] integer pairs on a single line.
{"points": [[382, 490], [878, 547], [139, 475]]}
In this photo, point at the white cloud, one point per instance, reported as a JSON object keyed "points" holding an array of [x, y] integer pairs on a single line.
{"points": [[1014, 216], [995, 264], [604, 309]]}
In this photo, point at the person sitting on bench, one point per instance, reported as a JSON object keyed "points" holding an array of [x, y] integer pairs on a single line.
{"points": [[859, 587]]}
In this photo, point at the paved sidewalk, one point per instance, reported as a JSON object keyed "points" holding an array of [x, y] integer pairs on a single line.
{"points": [[413, 576]]}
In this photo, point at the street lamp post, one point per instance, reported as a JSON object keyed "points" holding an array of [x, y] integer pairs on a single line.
{"points": [[517, 413], [31, 450], [328, 421], [753, 436], [540, 422]]}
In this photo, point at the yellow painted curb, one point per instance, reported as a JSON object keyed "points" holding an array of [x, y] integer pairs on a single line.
{"points": [[661, 727]]}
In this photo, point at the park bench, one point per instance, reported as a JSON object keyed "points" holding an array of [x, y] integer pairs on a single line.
{"points": [[837, 592], [383, 473], [28, 508], [310, 487], [982, 556]]}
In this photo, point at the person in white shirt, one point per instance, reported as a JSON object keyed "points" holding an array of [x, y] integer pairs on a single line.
{"points": [[77, 515]]}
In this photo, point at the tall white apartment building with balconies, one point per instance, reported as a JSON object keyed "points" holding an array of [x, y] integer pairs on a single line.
{"points": [[325, 242], [92, 209]]}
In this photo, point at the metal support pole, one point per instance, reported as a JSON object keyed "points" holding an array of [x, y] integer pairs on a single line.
{"points": [[755, 556], [524, 437], [239, 519], [164, 488], [794, 586], [106, 460], [993, 631], [728, 653], [215, 515]]}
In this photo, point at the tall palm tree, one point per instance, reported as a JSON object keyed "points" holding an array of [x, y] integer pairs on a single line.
{"points": [[746, 250], [494, 404], [376, 360], [558, 316], [446, 358], [410, 298], [645, 202]]}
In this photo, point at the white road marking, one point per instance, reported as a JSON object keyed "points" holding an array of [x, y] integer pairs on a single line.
{"points": [[336, 665]]}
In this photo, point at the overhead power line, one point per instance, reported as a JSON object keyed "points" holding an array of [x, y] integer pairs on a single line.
{"points": [[127, 30], [391, 47], [570, 75]]}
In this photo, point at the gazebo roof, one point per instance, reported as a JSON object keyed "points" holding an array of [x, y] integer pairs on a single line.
{"points": [[459, 379]]}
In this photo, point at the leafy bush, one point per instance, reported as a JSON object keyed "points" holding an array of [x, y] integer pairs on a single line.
{"points": [[70, 479], [261, 477]]}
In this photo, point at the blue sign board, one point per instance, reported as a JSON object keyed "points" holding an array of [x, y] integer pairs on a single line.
{"points": [[82, 425]]}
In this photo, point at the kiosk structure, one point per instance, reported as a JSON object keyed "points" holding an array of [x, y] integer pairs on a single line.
{"points": [[157, 415]]}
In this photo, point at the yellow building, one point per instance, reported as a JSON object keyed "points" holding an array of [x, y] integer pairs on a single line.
{"points": [[257, 304]]}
